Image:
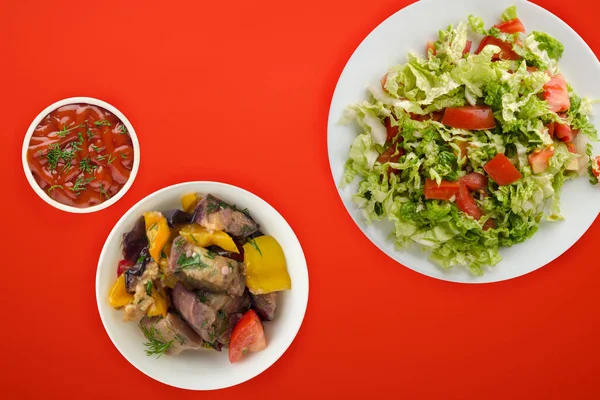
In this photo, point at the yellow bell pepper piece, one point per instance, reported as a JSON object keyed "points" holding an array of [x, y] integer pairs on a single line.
{"points": [[159, 307], [199, 236], [190, 201], [266, 268], [169, 281], [118, 296], [157, 231]]}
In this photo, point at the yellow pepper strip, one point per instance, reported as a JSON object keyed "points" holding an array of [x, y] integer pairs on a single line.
{"points": [[157, 231], [190, 201], [159, 307], [266, 268], [199, 236], [169, 281], [118, 296]]}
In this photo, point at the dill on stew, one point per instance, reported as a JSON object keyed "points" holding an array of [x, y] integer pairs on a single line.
{"points": [[82, 160]]}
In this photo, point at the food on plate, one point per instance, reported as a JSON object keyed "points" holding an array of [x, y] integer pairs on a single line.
{"points": [[80, 155], [201, 277], [466, 152]]}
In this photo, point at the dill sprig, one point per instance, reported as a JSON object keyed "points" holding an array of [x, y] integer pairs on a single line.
{"points": [[103, 122], [85, 165], [66, 129], [156, 344], [103, 192], [122, 130], [80, 184]]}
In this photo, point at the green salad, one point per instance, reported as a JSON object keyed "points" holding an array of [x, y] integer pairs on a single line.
{"points": [[466, 150]]}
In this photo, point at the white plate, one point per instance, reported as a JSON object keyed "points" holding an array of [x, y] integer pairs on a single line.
{"points": [[207, 369], [408, 30]]}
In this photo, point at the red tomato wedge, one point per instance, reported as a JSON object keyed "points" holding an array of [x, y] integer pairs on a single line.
{"points": [[444, 191], [501, 170], [467, 47], [435, 116], [539, 160], [430, 46], [596, 166], [123, 266], [550, 129], [475, 180], [248, 335], [466, 202], [564, 132], [512, 26], [389, 156], [469, 117], [506, 51], [557, 94], [383, 82], [392, 131], [489, 224]]}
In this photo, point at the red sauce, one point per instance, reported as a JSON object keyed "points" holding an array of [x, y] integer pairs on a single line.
{"points": [[81, 155]]}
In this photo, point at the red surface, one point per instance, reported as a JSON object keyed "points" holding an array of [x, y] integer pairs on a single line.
{"points": [[199, 75]]}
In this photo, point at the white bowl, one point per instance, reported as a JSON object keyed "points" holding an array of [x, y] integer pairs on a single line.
{"points": [[206, 369], [99, 103], [409, 30]]}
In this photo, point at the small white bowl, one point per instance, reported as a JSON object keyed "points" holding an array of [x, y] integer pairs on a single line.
{"points": [[205, 369], [95, 102]]}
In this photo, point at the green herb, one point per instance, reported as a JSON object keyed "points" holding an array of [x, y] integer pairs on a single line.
{"points": [[193, 238], [85, 165], [162, 254], [210, 254], [252, 243], [63, 132], [101, 158], [122, 130], [140, 259], [156, 343], [110, 160], [204, 324], [67, 166], [103, 192], [180, 339], [221, 314], [180, 242], [124, 156], [149, 288], [103, 122], [202, 297], [55, 154], [153, 227], [190, 262], [51, 188], [80, 184], [97, 149], [90, 134]]}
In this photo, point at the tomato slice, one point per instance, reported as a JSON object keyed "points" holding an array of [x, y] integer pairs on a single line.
{"points": [[557, 94], [469, 117], [512, 26], [467, 48], [430, 46], [248, 335], [123, 266], [466, 202], [501, 170], [564, 132], [596, 166], [383, 82], [444, 191], [392, 131], [489, 224], [539, 160], [506, 51], [475, 180], [550, 129], [389, 156]]}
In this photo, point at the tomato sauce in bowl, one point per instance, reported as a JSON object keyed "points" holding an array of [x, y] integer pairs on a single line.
{"points": [[81, 155]]}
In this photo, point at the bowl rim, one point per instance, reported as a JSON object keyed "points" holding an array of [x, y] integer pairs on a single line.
{"points": [[96, 102], [102, 303]]}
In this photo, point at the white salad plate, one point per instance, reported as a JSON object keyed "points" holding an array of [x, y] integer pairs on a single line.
{"points": [[409, 30], [205, 369]]}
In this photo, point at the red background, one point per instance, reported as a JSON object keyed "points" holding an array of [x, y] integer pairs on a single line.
{"points": [[239, 92]]}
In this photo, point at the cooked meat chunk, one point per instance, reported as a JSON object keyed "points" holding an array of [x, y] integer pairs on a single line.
{"points": [[229, 310], [198, 315], [171, 329], [141, 301], [202, 269], [265, 305], [214, 214]]}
